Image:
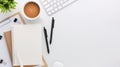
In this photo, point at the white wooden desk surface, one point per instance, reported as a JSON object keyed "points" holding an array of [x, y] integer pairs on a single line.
{"points": [[86, 34]]}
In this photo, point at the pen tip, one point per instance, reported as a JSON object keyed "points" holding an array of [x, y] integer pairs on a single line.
{"points": [[50, 42], [48, 52], [44, 28], [53, 19]]}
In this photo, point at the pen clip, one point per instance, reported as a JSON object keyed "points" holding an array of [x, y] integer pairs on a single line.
{"points": [[45, 32], [1, 61], [0, 37], [53, 21]]}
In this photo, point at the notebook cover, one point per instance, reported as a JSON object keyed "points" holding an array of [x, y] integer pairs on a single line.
{"points": [[27, 42], [9, 44]]}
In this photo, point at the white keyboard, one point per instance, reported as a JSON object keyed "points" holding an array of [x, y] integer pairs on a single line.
{"points": [[53, 6]]}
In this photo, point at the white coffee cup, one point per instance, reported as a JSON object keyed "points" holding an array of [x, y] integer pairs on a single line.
{"points": [[28, 10]]}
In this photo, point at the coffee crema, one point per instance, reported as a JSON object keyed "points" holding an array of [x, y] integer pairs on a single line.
{"points": [[31, 10]]}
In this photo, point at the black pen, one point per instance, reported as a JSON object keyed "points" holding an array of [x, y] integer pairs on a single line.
{"points": [[52, 26], [45, 34]]}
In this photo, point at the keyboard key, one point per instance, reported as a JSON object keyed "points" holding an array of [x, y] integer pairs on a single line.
{"points": [[51, 3], [61, 2], [55, 5], [49, 13], [52, 11], [56, 9], [65, 1], [55, 1], [49, 8], [44, 3], [58, 0], [58, 4], [48, 5], [59, 7]]}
